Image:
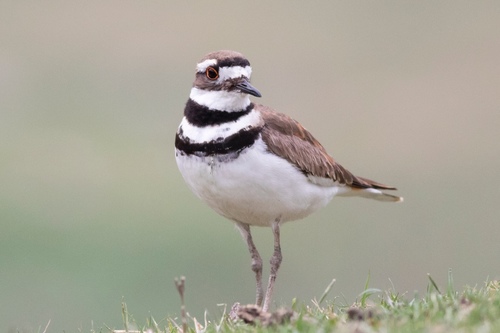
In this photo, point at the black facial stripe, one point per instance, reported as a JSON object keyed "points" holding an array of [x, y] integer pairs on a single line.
{"points": [[200, 115], [234, 143], [230, 62]]}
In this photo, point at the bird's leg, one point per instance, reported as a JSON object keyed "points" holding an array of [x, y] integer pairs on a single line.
{"points": [[275, 264], [256, 260]]}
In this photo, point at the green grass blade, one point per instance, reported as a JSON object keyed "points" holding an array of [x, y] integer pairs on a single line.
{"points": [[327, 290]]}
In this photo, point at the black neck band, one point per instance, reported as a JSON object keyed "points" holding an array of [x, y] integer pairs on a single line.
{"points": [[231, 144], [201, 116]]}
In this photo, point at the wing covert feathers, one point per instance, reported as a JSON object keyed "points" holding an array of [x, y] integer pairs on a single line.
{"points": [[288, 139]]}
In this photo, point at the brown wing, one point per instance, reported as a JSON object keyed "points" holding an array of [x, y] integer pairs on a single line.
{"points": [[286, 138]]}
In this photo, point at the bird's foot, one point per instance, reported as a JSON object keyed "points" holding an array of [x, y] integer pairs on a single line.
{"points": [[253, 314]]}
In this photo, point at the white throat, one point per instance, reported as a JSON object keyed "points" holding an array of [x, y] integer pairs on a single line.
{"points": [[220, 99]]}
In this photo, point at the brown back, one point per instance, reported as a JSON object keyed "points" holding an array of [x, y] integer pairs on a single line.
{"points": [[288, 139]]}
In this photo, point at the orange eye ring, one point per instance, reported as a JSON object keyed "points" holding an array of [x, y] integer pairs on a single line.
{"points": [[212, 73]]}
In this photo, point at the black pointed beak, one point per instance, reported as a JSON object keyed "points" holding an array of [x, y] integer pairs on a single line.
{"points": [[245, 87]]}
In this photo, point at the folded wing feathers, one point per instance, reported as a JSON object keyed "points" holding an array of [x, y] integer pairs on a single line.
{"points": [[285, 137]]}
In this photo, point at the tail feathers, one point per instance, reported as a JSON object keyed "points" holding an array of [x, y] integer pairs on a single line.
{"points": [[367, 188], [368, 183], [372, 193]]}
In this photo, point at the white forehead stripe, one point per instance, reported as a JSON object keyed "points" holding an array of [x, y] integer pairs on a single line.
{"points": [[234, 72], [202, 66], [226, 72]]}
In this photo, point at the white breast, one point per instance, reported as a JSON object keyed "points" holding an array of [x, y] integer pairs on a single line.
{"points": [[256, 187]]}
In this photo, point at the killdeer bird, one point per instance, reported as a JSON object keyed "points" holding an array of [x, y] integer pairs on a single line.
{"points": [[253, 165]]}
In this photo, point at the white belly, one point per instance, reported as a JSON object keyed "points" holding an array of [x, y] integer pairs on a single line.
{"points": [[255, 188]]}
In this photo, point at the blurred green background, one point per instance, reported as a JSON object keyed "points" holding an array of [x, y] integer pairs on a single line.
{"points": [[93, 208]]}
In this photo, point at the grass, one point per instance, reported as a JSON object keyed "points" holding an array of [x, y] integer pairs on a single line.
{"points": [[470, 310]]}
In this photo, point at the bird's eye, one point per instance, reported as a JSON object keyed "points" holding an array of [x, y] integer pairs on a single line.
{"points": [[212, 73]]}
